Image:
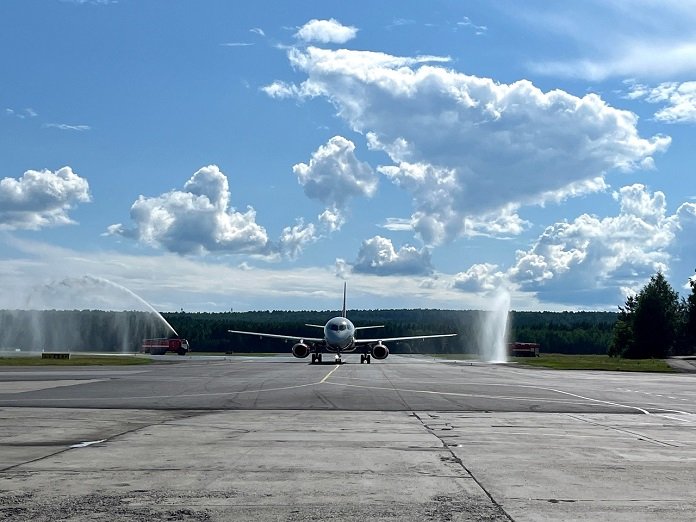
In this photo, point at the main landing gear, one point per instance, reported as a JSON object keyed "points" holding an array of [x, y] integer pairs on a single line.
{"points": [[365, 358], [316, 358]]}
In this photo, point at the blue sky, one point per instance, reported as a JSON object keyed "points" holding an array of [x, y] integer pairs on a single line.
{"points": [[223, 155]]}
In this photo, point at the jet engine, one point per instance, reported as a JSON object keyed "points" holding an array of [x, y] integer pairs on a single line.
{"points": [[300, 350], [379, 351]]}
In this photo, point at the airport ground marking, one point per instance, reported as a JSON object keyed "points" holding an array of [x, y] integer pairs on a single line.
{"points": [[624, 430], [181, 395], [456, 394], [329, 374], [617, 404], [643, 411]]}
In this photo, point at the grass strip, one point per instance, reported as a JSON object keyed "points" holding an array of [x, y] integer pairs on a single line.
{"points": [[593, 362], [75, 360], [557, 361]]}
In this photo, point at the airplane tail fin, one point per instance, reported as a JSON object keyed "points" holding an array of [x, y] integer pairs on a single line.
{"points": [[344, 299]]}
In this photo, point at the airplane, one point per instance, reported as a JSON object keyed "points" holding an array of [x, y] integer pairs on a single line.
{"points": [[339, 337]]}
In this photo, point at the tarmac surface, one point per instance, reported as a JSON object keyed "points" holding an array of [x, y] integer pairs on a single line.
{"points": [[408, 438]]}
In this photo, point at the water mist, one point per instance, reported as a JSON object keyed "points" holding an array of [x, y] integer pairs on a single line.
{"points": [[81, 314], [493, 329]]}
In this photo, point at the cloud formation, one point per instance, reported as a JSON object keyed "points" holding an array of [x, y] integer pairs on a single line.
{"points": [[293, 239], [480, 278], [21, 113], [597, 261], [478, 30], [41, 198], [378, 256], [678, 100], [334, 175], [67, 126], [196, 220], [644, 39], [469, 150], [326, 31]]}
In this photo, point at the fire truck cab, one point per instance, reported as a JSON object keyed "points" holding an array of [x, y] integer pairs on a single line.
{"points": [[164, 345]]}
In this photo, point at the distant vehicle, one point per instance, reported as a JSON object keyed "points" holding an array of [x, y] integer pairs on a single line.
{"points": [[164, 345], [339, 337], [523, 349]]}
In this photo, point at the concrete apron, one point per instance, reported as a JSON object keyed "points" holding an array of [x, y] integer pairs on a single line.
{"points": [[319, 465]]}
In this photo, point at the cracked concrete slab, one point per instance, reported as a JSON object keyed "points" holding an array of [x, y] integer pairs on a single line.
{"points": [[247, 465]]}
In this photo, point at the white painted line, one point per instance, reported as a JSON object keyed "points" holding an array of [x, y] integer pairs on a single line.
{"points": [[12, 387], [178, 395], [329, 374], [455, 394], [645, 412], [542, 399], [85, 444]]}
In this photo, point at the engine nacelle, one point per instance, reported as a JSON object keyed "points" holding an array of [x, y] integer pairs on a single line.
{"points": [[379, 351], [300, 350]]}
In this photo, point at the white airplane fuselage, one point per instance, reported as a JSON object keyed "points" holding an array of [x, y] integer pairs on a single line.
{"points": [[339, 334]]}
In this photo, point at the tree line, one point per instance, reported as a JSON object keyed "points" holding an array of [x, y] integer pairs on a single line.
{"points": [[103, 331], [656, 322]]}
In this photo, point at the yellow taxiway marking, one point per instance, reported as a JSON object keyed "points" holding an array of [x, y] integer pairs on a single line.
{"points": [[329, 374]]}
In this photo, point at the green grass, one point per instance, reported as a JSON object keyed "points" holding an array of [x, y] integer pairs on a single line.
{"points": [[558, 361], [593, 362], [75, 360]]}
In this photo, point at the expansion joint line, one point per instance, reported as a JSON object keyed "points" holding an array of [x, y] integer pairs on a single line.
{"points": [[108, 439], [459, 461]]}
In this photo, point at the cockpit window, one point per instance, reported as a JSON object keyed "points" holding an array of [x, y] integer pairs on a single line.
{"points": [[334, 327], [342, 327]]}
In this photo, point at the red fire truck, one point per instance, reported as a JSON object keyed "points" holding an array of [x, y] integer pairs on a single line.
{"points": [[523, 349], [164, 345]]}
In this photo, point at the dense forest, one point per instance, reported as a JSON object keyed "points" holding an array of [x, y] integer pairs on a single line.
{"points": [[94, 330]]}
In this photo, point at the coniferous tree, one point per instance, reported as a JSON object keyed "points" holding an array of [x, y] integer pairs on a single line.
{"points": [[622, 339], [690, 319], [649, 324]]}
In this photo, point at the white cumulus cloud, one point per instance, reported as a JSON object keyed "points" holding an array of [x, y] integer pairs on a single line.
{"points": [[333, 176], [469, 148], [293, 239], [480, 278], [326, 31], [594, 260], [378, 256], [196, 220], [40, 198]]}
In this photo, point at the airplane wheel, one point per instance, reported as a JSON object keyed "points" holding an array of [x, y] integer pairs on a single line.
{"points": [[362, 358], [319, 358], [367, 358], [314, 358]]}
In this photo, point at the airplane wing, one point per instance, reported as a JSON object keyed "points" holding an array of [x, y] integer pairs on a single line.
{"points": [[389, 339], [278, 336]]}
